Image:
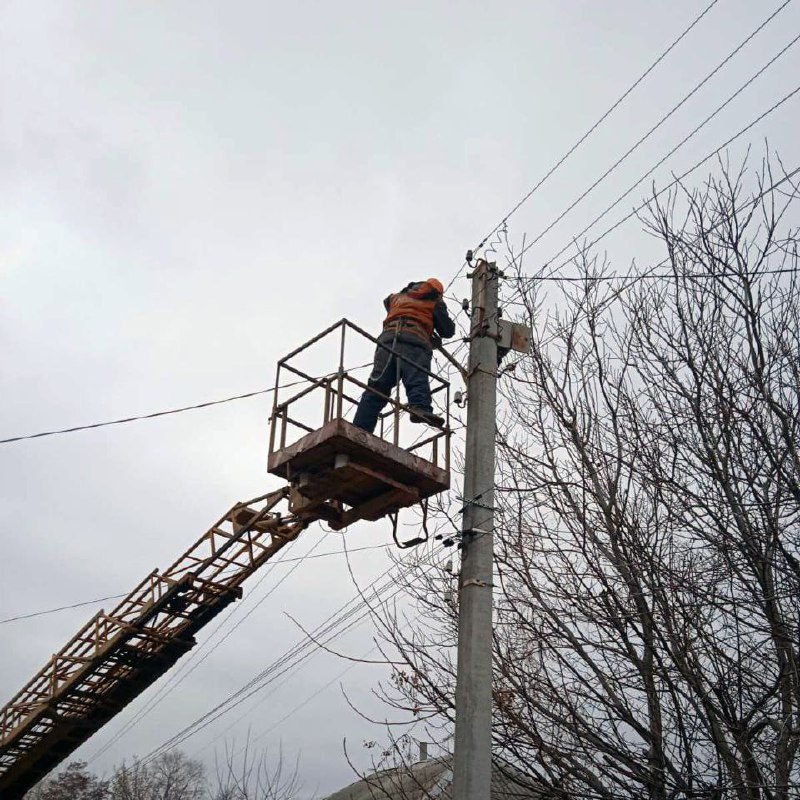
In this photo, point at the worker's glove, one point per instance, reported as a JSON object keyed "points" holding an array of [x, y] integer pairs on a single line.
{"points": [[436, 341]]}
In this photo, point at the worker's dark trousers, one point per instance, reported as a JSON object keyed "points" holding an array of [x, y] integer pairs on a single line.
{"points": [[386, 372]]}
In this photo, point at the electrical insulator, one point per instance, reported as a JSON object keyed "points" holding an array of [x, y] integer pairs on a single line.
{"points": [[465, 304], [458, 398], [448, 567]]}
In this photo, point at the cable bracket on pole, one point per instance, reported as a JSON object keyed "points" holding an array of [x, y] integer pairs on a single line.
{"points": [[473, 503], [479, 368], [476, 582]]}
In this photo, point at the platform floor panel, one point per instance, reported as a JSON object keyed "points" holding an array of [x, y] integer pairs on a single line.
{"points": [[315, 454], [354, 484]]}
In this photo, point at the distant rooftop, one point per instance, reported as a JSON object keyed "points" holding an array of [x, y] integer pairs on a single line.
{"points": [[426, 780]]}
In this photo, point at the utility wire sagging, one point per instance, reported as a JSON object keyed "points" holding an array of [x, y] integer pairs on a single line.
{"points": [[584, 137], [380, 590], [635, 146], [156, 414], [596, 125]]}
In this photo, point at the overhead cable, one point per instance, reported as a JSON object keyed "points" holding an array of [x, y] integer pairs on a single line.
{"points": [[665, 188], [62, 608], [661, 275], [666, 116], [635, 278], [299, 654], [120, 596], [163, 413], [194, 661], [597, 124], [672, 152], [333, 628], [583, 138]]}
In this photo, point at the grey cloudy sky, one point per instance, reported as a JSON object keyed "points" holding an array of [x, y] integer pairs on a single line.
{"points": [[190, 189]]}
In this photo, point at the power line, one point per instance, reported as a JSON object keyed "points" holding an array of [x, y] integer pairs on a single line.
{"points": [[599, 122], [144, 416], [162, 413], [120, 596], [169, 688], [634, 279], [310, 697], [296, 666], [283, 683], [294, 657], [192, 663], [662, 275], [585, 136], [668, 186], [178, 677], [674, 149], [62, 608], [273, 673], [666, 116], [336, 618]]}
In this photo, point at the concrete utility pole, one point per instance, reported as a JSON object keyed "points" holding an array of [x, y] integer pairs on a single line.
{"points": [[472, 760]]}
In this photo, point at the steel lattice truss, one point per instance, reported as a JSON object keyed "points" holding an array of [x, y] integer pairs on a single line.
{"points": [[117, 655]]}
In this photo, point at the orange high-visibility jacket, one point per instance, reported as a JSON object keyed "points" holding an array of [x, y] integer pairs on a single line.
{"points": [[412, 310]]}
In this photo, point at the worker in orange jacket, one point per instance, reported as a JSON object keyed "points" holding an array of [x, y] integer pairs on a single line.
{"points": [[416, 321]]}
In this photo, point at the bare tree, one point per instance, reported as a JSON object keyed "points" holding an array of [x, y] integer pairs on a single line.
{"points": [[170, 776], [648, 571], [74, 782], [249, 775]]}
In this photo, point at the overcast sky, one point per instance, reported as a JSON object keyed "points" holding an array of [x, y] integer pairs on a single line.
{"points": [[191, 189]]}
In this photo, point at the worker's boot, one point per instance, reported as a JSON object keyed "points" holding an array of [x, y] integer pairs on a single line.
{"points": [[421, 416]]}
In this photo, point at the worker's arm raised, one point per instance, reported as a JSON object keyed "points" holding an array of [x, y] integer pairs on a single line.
{"points": [[442, 322]]}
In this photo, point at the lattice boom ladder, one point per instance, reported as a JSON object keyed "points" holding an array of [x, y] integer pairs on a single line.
{"points": [[117, 655]]}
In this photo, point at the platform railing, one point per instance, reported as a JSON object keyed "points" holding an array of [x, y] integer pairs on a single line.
{"points": [[339, 392]]}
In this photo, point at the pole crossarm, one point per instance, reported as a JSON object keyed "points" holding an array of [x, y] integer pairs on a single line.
{"points": [[117, 655]]}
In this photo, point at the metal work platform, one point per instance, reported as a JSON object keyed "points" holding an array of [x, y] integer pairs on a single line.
{"points": [[338, 472]]}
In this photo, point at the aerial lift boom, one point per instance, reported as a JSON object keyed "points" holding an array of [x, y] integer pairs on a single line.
{"points": [[335, 472]]}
